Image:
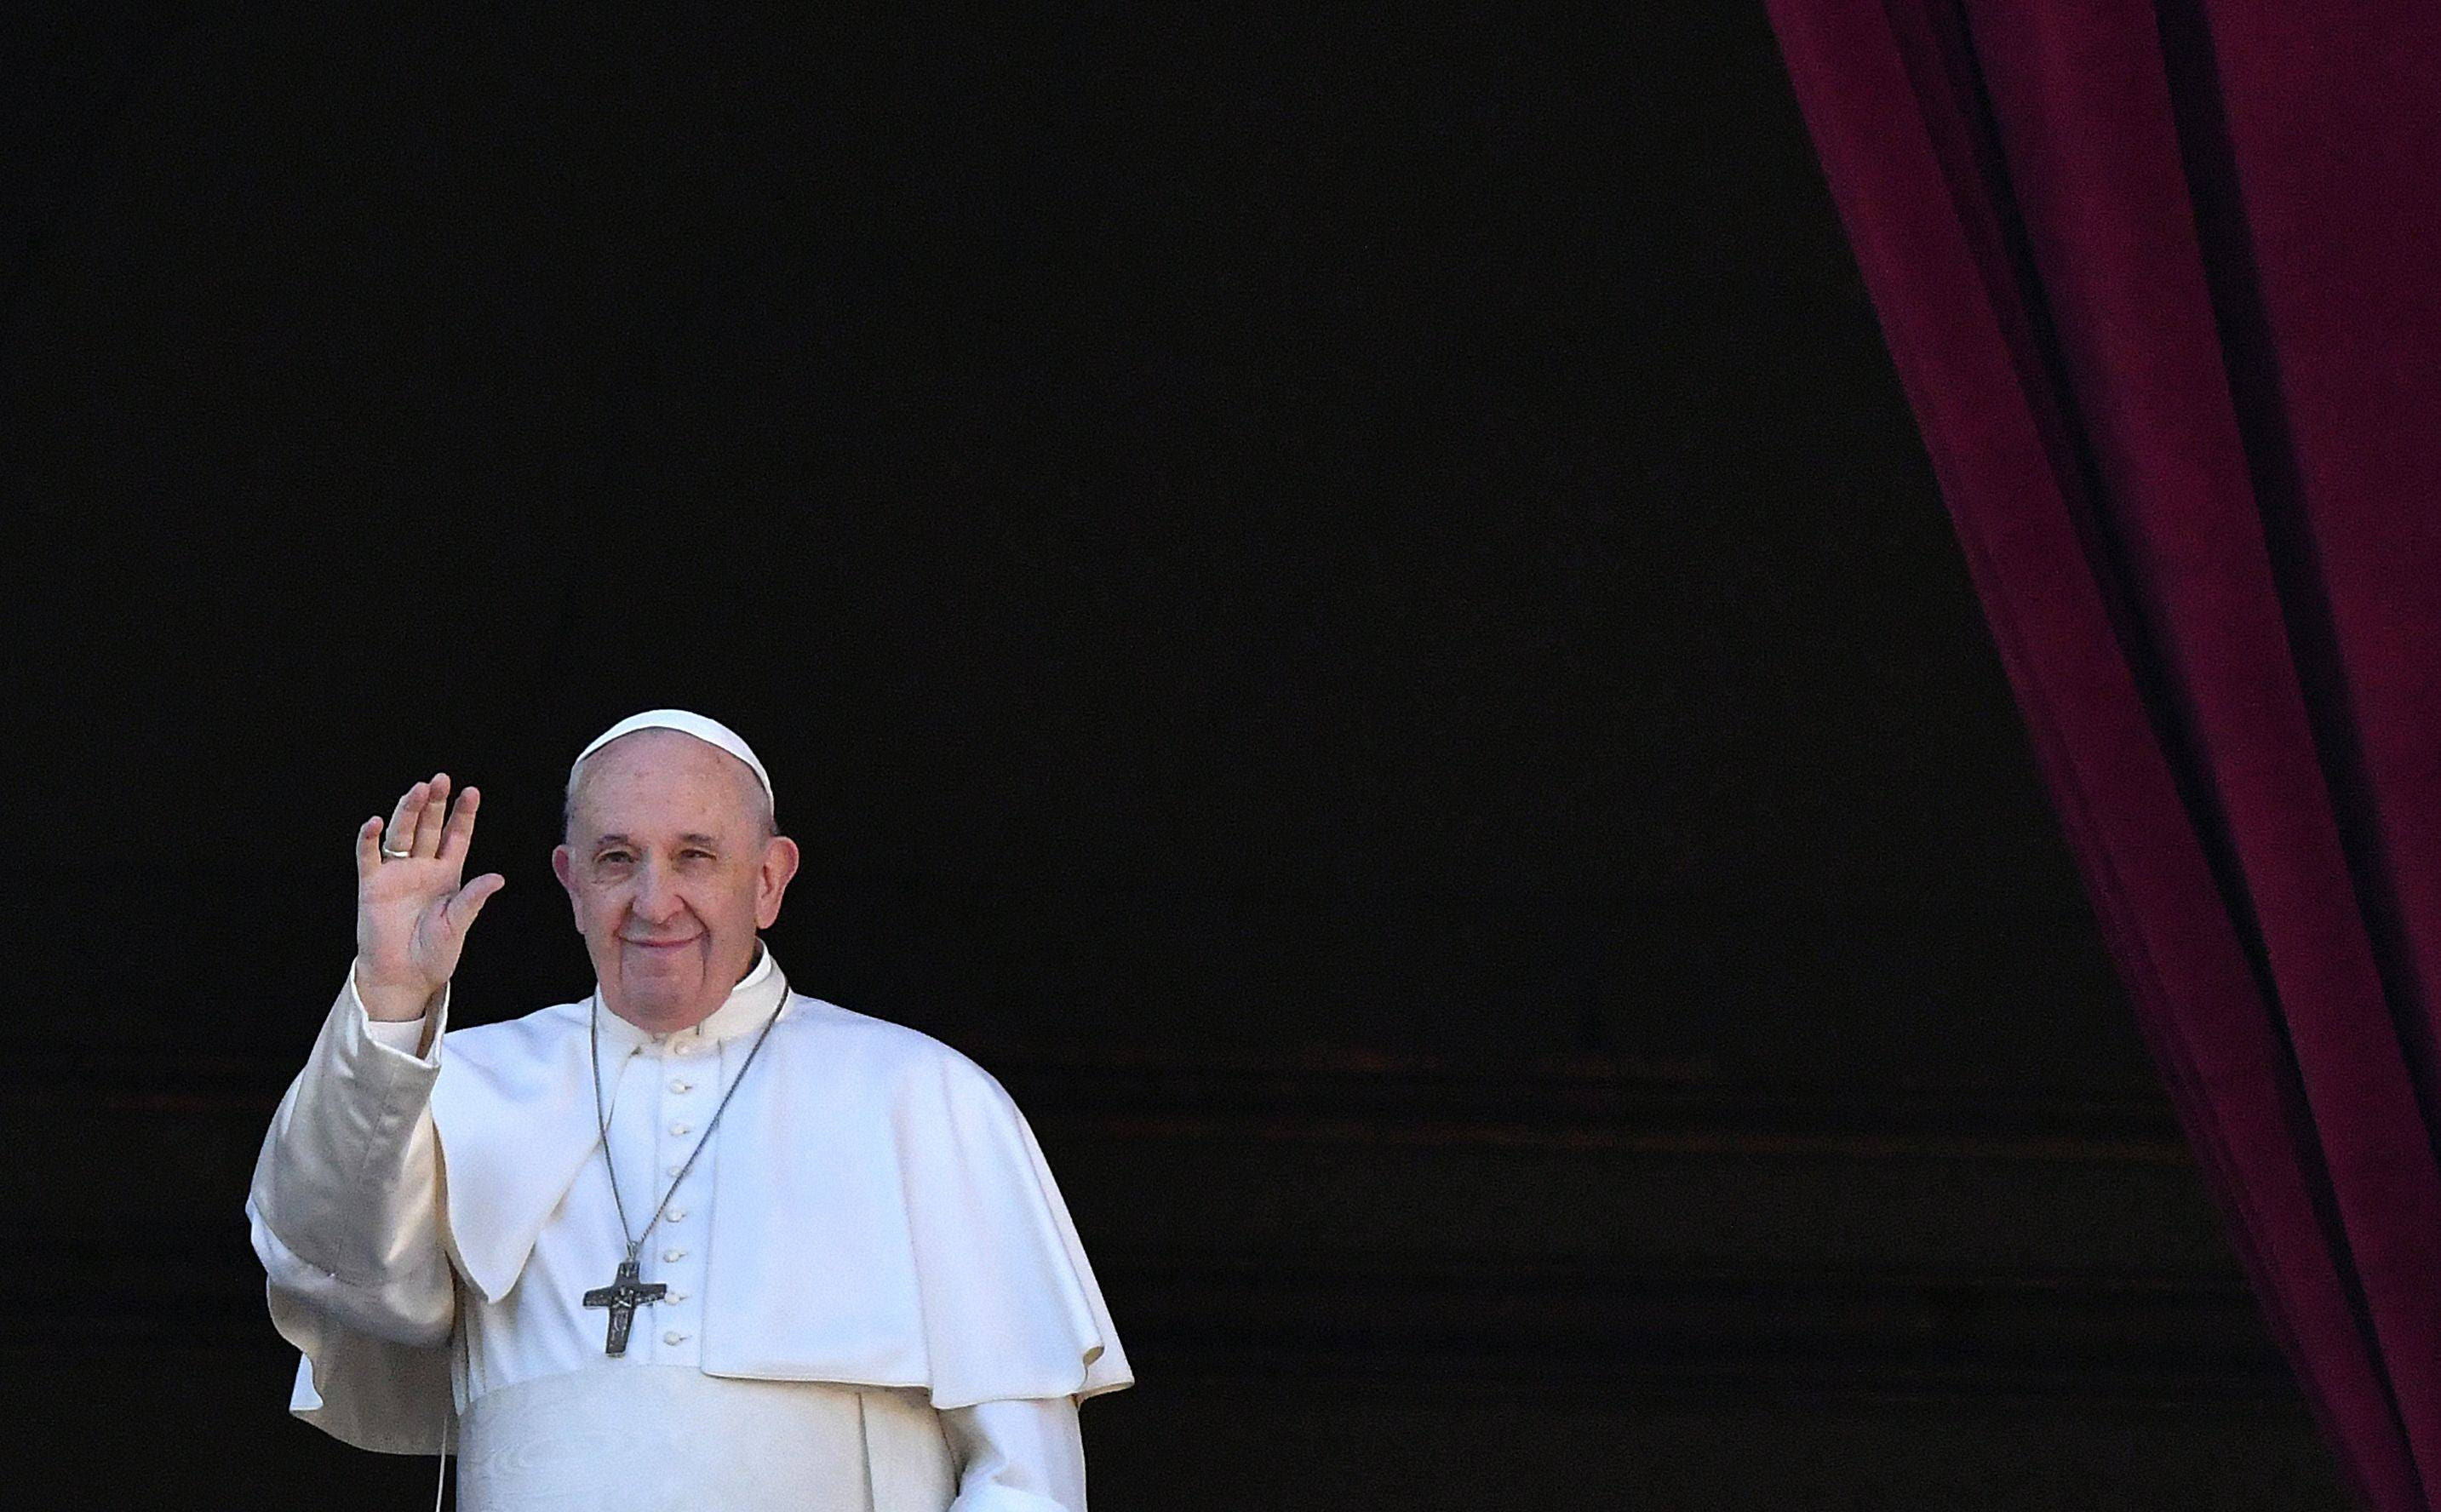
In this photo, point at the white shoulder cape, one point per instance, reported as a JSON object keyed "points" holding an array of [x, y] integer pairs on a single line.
{"points": [[884, 1218]]}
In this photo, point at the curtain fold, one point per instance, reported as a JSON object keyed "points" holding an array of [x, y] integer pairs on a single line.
{"points": [[2163, 285]]}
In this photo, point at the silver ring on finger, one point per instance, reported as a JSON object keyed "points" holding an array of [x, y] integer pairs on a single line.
{"points": [[396, 855]]}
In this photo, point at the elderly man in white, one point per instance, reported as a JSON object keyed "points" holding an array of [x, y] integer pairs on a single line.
{"points": [[697, 1240]]}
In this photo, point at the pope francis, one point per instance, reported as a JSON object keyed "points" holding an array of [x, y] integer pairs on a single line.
{"points": [[695, 1240]]}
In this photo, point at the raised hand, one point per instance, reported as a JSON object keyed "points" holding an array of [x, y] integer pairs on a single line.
{"points": [[411, 912]]}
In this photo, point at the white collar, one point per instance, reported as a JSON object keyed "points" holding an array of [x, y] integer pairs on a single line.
{"points": [[748, 1005]]}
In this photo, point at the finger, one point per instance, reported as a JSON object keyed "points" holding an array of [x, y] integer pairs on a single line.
{"points": [[368, 847], [468, 901], [436, 810], [460, 831], [401, 833]]}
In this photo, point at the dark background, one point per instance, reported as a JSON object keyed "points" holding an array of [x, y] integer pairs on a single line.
{"points": [[1345, 598]]}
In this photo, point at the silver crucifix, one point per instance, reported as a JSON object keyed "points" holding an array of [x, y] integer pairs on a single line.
{"points": [[622, 1296]]}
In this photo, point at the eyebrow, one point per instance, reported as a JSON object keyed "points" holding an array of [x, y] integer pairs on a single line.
{"points": [[691, 838]]}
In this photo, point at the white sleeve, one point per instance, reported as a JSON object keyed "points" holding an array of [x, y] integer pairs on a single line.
{"points": [[1018, 1454], [345, 1204], [403, 1035]]}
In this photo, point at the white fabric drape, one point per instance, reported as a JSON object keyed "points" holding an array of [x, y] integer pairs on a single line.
{"points": [[383, 1170]]}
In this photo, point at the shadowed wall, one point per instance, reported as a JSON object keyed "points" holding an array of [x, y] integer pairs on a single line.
{"points": [[1350, 606]]}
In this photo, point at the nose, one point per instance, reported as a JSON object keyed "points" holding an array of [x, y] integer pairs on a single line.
{"points": [[656, 900]]}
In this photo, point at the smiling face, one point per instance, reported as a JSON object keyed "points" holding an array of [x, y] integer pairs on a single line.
{"points": [[671, 866]]}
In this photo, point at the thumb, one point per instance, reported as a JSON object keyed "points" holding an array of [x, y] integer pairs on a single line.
{"points": [[468, 901]]}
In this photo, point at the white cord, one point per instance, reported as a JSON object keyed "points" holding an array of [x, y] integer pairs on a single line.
{"points": [[457, 1346], [441, 1482]]}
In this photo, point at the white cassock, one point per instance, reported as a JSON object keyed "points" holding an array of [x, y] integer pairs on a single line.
{"points": [[876, 1299]]}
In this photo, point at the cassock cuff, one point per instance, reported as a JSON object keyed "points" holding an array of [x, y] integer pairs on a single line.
{"points": [[395, 1039]]}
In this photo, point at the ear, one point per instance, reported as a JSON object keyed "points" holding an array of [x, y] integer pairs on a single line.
{"points": [[780, 860], [563, 866]]}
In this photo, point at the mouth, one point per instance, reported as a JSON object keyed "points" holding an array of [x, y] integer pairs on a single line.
{"points": [[661, 945]]}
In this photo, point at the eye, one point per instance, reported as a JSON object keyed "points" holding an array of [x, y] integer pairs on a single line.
{"points": [[611, 858]]}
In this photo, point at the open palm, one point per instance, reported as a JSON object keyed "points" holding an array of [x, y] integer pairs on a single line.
{"points": [[412, 911]]}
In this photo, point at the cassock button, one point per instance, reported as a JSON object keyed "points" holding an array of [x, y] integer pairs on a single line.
{"points": [[678, 1128], [676, 1166], [673, 1256], [676, 1214], [672, 1337], [680, 1083]]}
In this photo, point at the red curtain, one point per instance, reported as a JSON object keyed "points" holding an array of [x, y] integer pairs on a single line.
{"points": [[2162, 284]]}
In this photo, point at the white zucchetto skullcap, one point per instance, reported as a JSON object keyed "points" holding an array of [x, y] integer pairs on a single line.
{"points": [[711, 731]]}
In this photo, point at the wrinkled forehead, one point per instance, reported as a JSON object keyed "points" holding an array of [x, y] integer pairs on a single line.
{"points": [[665, 776]]}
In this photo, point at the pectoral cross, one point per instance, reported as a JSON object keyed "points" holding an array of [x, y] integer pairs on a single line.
{"points": [[622, 1296]]}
